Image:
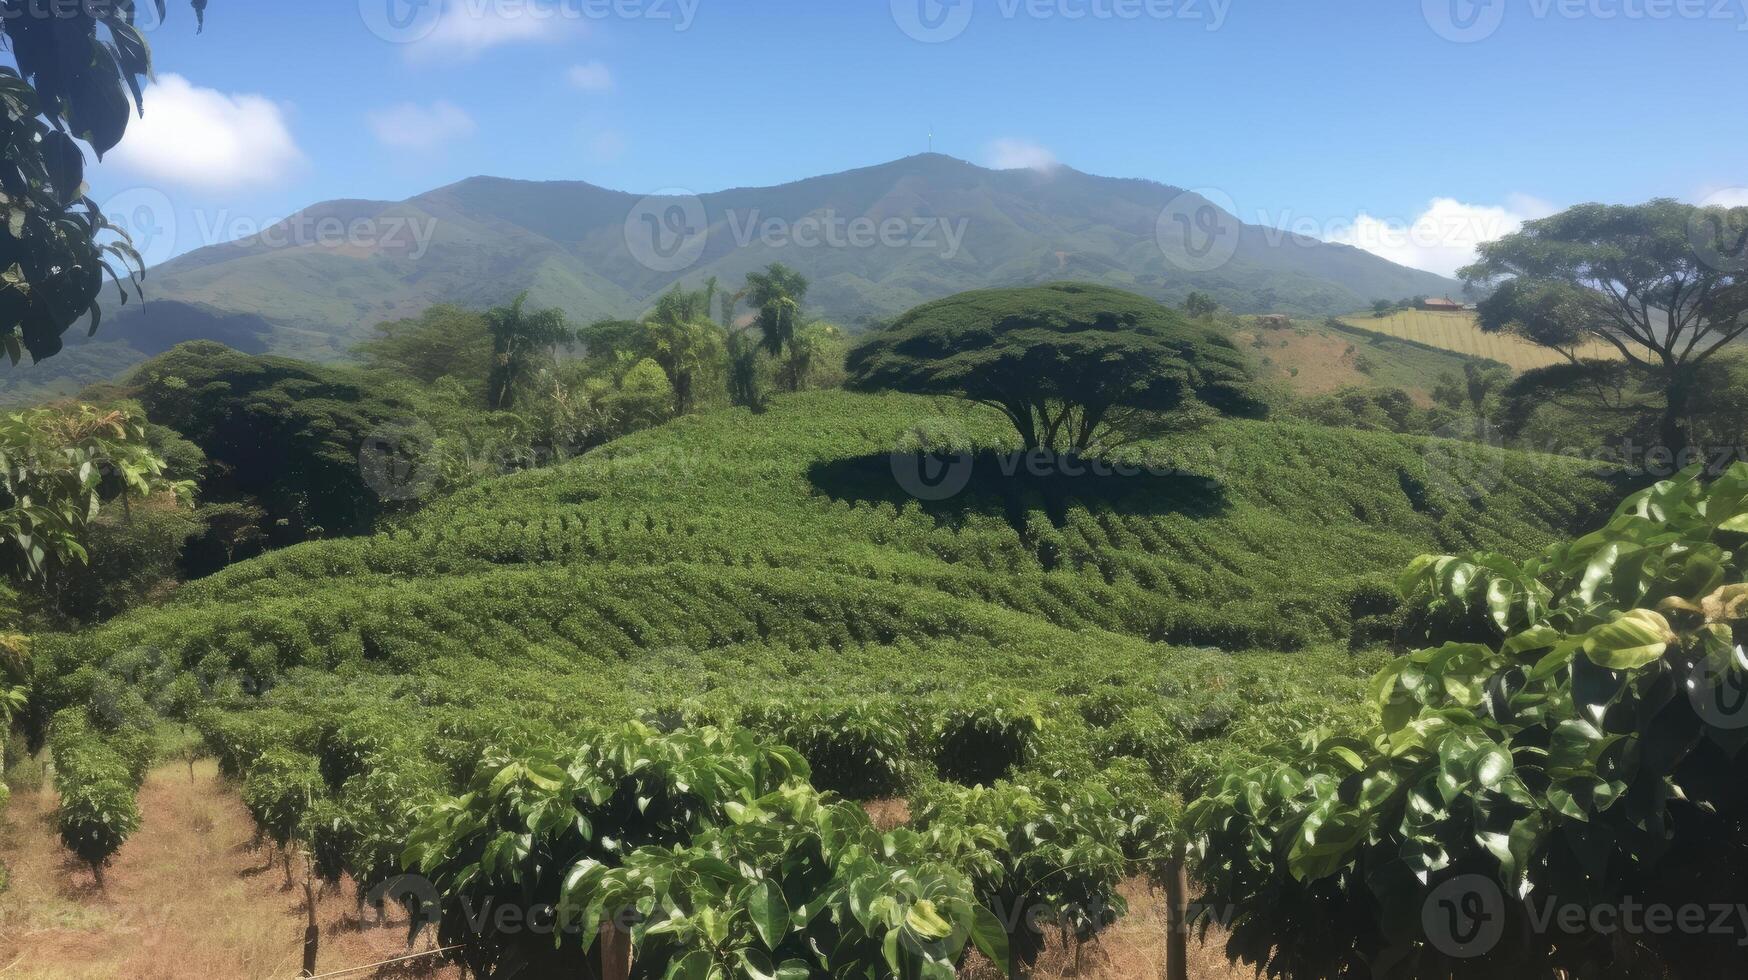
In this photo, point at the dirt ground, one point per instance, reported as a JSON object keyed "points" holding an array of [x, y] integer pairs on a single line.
{"points": [[185, 898], [188, 898]]}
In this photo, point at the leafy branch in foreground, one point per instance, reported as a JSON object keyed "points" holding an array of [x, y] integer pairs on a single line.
{"points": [[1581, 749], [78, 74]]}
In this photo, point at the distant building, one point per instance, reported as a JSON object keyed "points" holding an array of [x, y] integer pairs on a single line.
{"points": [[1442, 305], [1275, 321]]}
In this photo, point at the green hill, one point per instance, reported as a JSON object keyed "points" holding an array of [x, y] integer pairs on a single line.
{"points": [[729, 559], [309, 288]]}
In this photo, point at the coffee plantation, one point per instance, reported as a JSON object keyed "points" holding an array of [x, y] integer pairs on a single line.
{"points": [[646, 679]]}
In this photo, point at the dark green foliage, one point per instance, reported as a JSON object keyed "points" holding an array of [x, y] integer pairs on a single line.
{"points": [[445, 341], [977, 744], [280, 790], [792, 885], [136, 548], [861, 749], [1040, 857], [530, 822], [1576, 740], [73, 68], [1067, 364], [1662, 282], [282, 432], [522, 341], [96, 784]]}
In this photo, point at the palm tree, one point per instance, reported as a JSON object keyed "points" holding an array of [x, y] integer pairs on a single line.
{"points": [[518, 338], [743, 357], [777, 294], [687, 343]]}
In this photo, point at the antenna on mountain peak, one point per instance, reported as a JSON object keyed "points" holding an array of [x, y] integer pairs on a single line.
{"points": [[931, 137]]}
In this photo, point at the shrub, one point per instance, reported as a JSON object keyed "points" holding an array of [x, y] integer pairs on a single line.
{"points": [[1585, 752], [530, 820], [860, 749], [981, 743], [279, 791], [1037, 857], [97, 811]]}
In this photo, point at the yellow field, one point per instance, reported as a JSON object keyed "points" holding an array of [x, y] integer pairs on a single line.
{"points": [[1459, 332]]}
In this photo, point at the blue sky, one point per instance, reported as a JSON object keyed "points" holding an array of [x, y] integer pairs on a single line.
{"points": [[1322, 115]]}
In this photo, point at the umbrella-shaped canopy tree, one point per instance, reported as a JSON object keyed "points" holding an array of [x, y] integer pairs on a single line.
{"points": [[1073, 366]]}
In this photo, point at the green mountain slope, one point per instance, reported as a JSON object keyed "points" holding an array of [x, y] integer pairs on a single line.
{"points": [[304, 291], [729, 558]]}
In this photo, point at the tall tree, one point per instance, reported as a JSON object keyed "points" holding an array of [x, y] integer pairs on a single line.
{"points": [[685, 341], [443, 341], [1200, 306], [776, 294], [77, 63], [1660, 282], [521, 339], [1074, 367], [744, 387]]}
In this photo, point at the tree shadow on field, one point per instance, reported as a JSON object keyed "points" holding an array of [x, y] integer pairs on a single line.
{"points": [[952, 487]]}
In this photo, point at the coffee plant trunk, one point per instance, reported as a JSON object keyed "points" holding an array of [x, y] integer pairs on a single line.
{"points": [[615, 953], [1177, 927], [312, 936]]}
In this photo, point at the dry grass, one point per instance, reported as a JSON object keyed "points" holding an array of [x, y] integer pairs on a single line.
{"points": [[186, 898], [1324, 363], [1461, 332], [1133, 949]]}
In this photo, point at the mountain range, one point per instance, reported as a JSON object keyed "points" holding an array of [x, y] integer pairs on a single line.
{"points": [[873, 241]]}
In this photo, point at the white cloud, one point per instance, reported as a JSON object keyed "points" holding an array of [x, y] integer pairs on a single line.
{"points": [[416, 127], [592, 77], [1016, 154], [467, 29], [205, 137], [1442, 238]]}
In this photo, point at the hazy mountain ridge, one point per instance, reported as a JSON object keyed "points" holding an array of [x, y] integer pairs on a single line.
{"points": [[317, 283]]}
